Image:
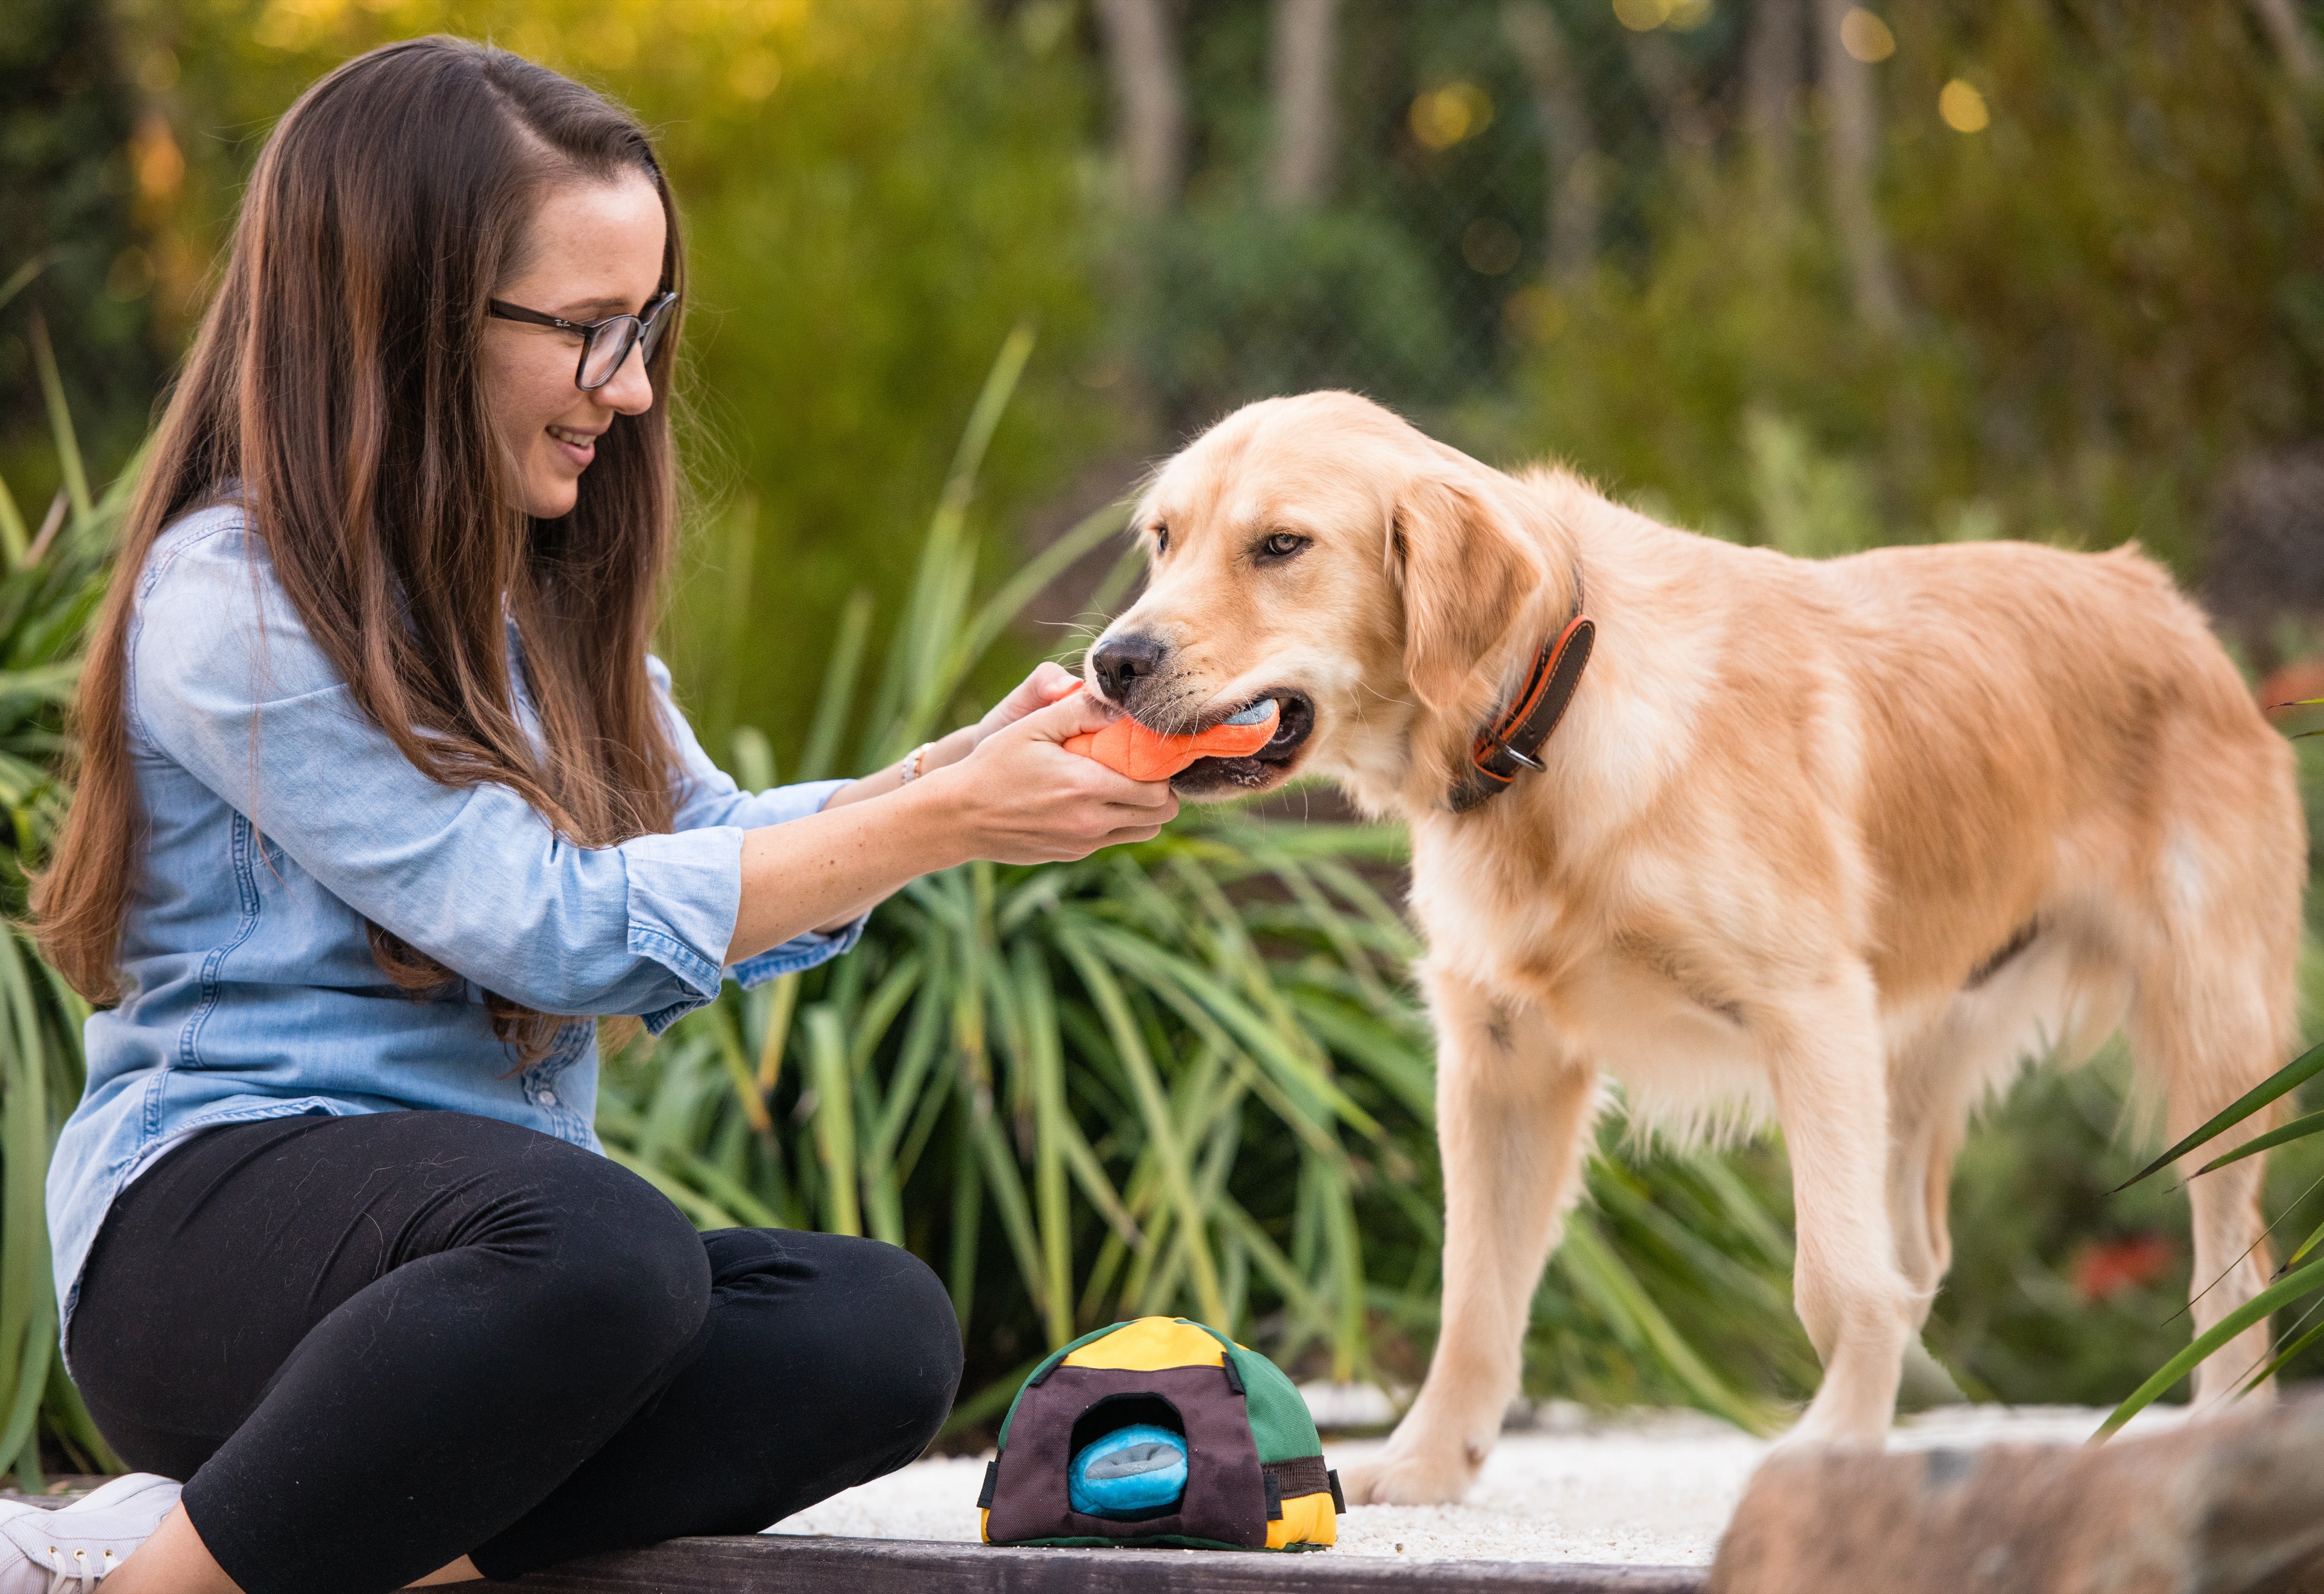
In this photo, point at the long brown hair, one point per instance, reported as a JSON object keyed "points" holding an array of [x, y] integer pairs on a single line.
{"points": [[334, 390]]}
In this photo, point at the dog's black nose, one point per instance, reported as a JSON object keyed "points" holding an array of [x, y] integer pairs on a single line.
{"points": [[1123, 662]]}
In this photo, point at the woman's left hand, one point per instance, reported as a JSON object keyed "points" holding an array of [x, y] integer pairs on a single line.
{"points": [[1047, 684]]}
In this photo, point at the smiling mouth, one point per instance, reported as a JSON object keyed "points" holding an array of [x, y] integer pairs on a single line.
{"points": [[581, 445], [1294, 723]]}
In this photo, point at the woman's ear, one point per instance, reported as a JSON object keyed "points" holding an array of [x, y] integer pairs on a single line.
{"points": [[1465, 574]]}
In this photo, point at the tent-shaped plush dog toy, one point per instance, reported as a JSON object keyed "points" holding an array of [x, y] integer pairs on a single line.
{"points": [[1160, 1432]]}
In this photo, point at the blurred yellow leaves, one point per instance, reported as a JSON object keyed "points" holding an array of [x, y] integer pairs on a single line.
{"points": [[1535, 313], [155, 159], [1962, 107], [755, 73], [1643, 16], [608, 35], [158, 73], [1441, 117], [1866, 37], [293, 25]]}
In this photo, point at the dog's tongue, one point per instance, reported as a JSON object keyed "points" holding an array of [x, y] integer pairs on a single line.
{"points": [[1130, 749]]}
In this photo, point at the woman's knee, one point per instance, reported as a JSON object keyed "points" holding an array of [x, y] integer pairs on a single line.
{"points": [[861, 1323], [910, 1345], [604, 1258]]}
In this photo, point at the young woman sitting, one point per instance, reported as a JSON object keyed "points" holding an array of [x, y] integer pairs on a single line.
{"points": [[382, 805]]}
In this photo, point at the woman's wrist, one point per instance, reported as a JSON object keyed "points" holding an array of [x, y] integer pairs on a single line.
{"points": [[948, 749], [932, 818]]}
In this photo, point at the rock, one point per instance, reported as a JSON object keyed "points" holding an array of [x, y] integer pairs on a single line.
{"points": [[2222, 1507]]}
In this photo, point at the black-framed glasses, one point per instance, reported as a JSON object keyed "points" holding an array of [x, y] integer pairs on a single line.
{"points": [[606, 344]]}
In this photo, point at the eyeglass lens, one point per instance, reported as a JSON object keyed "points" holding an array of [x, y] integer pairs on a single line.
{"points": [[610, 344]]}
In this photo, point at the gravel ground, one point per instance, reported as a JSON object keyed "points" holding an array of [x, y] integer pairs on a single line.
{"points": [[1650, 1489]]}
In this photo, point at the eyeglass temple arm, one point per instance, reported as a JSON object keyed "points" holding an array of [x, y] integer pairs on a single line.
{"points": [[517, 312]]}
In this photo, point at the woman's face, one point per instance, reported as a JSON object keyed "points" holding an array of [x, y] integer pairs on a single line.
{"points": [[593, 250]]}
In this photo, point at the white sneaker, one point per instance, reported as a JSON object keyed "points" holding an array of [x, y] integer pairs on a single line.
{"points": [[47, 1552]]}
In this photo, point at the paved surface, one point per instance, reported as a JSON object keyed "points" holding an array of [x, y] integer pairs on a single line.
{"points": [[1642, 1491]]}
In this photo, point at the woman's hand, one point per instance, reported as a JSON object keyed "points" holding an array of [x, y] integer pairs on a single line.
{"points": [[1020, 797], [1047, 684]]}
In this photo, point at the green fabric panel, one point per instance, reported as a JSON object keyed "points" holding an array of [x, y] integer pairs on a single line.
{"points": [[1051, 1361], [1279, 1423]]}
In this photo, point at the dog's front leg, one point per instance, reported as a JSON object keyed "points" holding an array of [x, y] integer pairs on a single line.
{"points": [[1513, 1113], [1823, 1054]]}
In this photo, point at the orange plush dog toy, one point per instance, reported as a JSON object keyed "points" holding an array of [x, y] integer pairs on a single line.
{"points": [[1130, 749]]}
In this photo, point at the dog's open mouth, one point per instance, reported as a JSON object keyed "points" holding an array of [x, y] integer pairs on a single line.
{"points": [[1224, 777]]}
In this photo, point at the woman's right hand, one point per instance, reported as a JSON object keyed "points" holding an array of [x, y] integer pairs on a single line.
{"points": [[1020, 797]]}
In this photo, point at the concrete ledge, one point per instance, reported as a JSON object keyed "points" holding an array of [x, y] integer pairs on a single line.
{"points": [[801, 1565]]}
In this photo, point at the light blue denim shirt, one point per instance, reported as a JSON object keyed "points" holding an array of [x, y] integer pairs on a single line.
{"points": [[279, 817]]}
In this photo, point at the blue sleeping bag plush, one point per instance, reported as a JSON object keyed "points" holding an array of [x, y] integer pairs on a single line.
{"points": [[1136, 1471]]}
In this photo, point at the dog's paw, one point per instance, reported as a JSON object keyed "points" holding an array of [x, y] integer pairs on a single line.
{"points": [[1819, 1431], [1408, 1478]]}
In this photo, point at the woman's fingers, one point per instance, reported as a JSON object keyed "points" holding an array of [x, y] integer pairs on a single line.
{"points": [[1067, 717], [1047, 684], [1050, 681]]}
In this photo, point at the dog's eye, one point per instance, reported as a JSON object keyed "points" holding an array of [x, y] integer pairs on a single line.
{"points": [[1281, 546], [1161, 540]]}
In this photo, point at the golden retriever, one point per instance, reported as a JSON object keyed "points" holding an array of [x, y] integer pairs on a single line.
{"points": [[1841, 843]]}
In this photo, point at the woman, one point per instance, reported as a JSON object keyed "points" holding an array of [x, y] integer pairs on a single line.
{"points": [[381, 803]]}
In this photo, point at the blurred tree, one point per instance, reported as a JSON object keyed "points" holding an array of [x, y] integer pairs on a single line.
{"points": [[1303, 57], [1149, 105], [1569, 146], [1846, 50], [74, 163], [1772, 68], [2291, 37], [2106, 247]]}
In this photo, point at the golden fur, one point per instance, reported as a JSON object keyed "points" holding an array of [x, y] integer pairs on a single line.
{"points": [[1843, 842]]}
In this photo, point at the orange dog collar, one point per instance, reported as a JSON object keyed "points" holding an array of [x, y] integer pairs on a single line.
{"points": [[1509, 742]]}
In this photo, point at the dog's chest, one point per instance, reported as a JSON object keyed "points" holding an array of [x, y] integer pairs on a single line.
{"points": [[1619, 1000]]}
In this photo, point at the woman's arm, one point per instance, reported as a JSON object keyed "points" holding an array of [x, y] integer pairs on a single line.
{"points": [[1019, 798]]}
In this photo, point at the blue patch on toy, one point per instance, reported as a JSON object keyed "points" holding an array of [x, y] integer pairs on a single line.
{"points": [[1134, 1471]]}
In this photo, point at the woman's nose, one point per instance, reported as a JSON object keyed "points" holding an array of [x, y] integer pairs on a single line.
{"points": [[631, 391]]}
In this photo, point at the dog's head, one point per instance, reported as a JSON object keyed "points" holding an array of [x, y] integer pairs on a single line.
{"points": [[1320, 552]]}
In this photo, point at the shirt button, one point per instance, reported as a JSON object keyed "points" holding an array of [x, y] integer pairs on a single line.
{"points": [[549, 1097]]}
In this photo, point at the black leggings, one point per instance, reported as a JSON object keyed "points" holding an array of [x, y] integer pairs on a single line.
{"points": [[372, 1345]]}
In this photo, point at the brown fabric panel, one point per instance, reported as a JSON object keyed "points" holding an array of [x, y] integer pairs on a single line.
{"points": [[1225, 1498]]}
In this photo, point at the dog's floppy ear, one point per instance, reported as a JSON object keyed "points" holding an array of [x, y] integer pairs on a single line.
{"points": [[1465, 574]]}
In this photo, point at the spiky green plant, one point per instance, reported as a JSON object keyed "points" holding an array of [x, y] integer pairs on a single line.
{"points": [[52, 577], [2302, 1273]]}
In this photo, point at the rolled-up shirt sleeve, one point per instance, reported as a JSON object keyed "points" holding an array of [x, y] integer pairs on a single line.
{"points": [[707, 796], [225, 681]]}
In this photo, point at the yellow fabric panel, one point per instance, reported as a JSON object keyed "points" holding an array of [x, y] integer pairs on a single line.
{"points": [[984, 1525], [1307, 1520], [1149, 1343]]}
